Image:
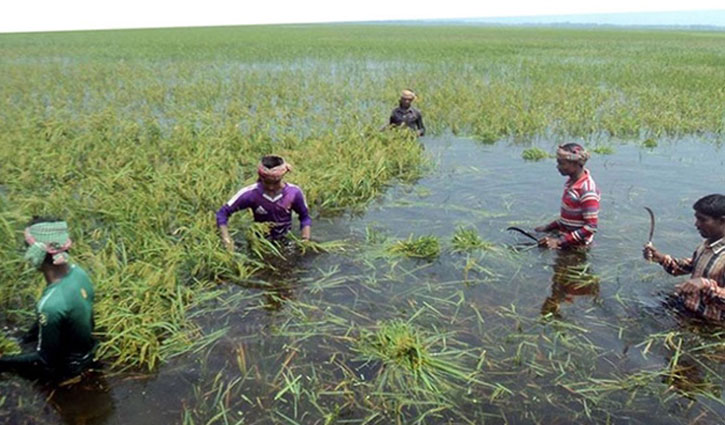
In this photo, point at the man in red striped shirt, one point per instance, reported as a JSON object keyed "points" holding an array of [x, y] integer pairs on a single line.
{"points": [[579, 203]]}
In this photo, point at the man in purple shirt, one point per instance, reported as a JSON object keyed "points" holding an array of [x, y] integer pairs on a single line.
{"points": [[271, 200]]}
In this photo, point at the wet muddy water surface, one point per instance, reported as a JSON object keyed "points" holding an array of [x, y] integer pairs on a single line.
{"points": [[550, 337]]}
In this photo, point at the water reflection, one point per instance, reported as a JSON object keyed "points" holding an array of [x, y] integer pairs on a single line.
{"points": [[290, 344], [572, 277], [86, 401]]}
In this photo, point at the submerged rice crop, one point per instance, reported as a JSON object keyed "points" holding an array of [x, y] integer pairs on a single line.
{"points": [[650, 143], [465, 240], [137, 137], [534, 154], [426, 247], [603, 150], [406, 353]]}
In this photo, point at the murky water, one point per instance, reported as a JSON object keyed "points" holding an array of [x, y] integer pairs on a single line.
{"points": [[566, 338]]}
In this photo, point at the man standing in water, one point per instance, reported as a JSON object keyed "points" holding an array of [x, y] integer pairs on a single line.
{"points": [[64, 326], [271, 200], [579, 203], [406, 115], [704, 292]]}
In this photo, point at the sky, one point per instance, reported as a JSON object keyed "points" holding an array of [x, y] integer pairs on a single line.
{"points": [[61, 15]]}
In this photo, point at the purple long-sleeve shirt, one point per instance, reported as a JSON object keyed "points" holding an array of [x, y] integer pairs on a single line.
{"points": [[265, 208]]}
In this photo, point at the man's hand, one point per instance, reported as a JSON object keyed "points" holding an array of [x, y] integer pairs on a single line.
{"points": [[650, 253], [549, 242], [226, 239], [690, 286], [305, 234]]}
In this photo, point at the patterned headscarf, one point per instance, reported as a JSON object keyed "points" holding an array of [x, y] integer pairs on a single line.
{"points": [[47, 238], [274, 173], [580, 155], [408, 94]]}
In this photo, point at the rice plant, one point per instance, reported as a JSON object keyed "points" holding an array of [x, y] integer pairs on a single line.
{"points": [[466, 240], [603, 150], [426, 247], [534, 154], [408, 358]]}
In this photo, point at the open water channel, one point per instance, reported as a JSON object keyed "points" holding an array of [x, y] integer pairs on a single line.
{"points": [[550, 338]]}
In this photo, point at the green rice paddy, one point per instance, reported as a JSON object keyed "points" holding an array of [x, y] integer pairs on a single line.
{"points": [[136, 138]]}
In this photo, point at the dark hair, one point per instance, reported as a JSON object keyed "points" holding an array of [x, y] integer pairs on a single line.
{"points": [[572, 147], [271, 161], [711, 205]]}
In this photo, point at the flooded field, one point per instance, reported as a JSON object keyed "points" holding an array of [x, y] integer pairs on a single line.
{"points": [[501, 333], [416, 306]]}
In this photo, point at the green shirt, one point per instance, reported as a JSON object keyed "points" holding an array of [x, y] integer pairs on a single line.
{"points": [[65, 326], [65, 319]]}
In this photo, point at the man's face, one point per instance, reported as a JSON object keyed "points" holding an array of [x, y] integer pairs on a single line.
{"points": [[712, 228], [405, 102], [566, 167], [271, 185]]}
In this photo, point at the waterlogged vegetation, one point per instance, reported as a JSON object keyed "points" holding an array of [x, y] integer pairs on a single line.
{"points": [[466, 240], [137, 137], [426, 247], [534, 154], [650, 143], [603, 149]]}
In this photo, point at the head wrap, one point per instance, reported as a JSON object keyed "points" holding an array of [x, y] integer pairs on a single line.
{"points": [[274, 173], [408, 94], [580, 155], [47, 238]]}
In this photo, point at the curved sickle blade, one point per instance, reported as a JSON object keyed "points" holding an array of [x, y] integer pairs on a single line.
{"points": [[523, 232], [651, 224]]}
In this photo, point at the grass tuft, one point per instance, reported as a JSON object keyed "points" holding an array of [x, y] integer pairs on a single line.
{"points": [[408, 360], [534, 154], [426, 247], [604, 150], [650, 143], [466, 240]]}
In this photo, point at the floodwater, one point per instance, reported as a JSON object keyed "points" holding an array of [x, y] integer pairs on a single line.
{"points": [[551, 338]]}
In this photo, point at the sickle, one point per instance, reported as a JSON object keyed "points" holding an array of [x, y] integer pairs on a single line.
{"points": [[523, 232], [651, 224]]}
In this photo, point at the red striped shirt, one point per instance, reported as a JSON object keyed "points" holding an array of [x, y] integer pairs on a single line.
{"points": [[579, 211]]}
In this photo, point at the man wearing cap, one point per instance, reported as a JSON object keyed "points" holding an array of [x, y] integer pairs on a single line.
{"points": [[64, 325], [271, 200], [406, 115], [579, 203]]}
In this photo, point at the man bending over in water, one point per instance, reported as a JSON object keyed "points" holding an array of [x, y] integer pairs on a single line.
{"points": [[579, 203], [64, 313], [704, 292], [271, 200]]}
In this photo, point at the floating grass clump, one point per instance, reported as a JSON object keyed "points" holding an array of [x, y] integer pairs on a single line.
{"points": [[650, 143], [466, 240], [603, 150], [426, 247], [406, 353], [534, 154]]}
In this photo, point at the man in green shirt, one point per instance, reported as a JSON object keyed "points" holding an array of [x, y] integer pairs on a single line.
{"points": [[64, 326]]}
